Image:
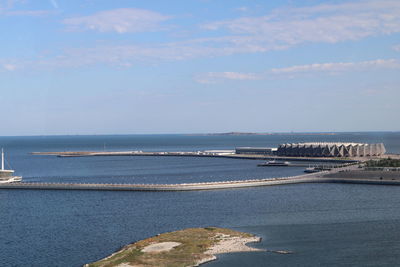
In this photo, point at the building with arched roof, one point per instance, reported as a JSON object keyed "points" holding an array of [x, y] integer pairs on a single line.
{"points": [[330, 149]]}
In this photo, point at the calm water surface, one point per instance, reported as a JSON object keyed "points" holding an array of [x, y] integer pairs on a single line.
{"points": [[324, 225]]}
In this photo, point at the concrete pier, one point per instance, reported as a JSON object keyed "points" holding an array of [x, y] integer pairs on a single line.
{"points": [[346, 173], [162, 187], [321, 177], [190, 154]]}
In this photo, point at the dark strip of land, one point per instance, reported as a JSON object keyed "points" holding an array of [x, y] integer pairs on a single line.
{"points": [[191, 154]]}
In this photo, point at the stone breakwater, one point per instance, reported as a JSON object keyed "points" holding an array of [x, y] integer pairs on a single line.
{"points": [[309, 178], [69, 154], [347, 174], [321, 177]]}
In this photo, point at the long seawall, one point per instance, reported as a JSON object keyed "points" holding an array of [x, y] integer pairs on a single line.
{"points": [[159, 187], [304, 178], [69, 154], [307, 178]]}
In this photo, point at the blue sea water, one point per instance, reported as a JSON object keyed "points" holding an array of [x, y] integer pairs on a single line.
{"points": [[323, 224]]}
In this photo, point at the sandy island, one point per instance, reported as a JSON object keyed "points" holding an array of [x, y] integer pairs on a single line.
{"points": [[189, 247]]}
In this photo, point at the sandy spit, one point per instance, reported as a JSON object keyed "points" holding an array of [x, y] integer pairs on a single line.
{"points": [[229, 244]]}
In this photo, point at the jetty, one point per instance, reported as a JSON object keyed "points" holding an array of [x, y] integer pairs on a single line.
{"points": [[163, 187], [348, 174], [214, 154], [323, 166]]}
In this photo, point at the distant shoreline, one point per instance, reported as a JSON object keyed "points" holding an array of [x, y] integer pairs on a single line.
{"points": [[197, 134], [253, 133]]}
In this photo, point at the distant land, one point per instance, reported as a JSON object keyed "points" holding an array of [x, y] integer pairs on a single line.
{"points": [[250, 133]]}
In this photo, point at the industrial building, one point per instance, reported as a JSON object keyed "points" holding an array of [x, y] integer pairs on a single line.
{"points": [[331, 150]]}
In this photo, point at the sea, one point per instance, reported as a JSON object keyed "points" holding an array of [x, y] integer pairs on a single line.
{"points": [[321, 224]]}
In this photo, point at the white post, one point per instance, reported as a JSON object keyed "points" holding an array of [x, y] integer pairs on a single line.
{"points": [[2, 160]]}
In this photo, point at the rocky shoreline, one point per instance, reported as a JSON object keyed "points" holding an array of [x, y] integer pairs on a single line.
{"points": [[228, 244]]}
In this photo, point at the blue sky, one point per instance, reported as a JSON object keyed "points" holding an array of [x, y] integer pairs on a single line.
{"points": [[133, 67]]}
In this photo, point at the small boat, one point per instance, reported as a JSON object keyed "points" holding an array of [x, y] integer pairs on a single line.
{"points": [[275, 163], [312, 169], [7, 176]]}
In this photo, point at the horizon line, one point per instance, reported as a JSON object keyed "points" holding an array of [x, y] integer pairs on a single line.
{"points": [[209, 133]]}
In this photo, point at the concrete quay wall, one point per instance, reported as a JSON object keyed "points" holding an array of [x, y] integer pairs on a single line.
{"points": [[362, 174], [190, 154], [361, 181], [161, 187], [198, 186]]}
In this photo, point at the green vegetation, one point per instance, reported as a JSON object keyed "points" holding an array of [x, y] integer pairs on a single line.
{"points": [[194, 242], [388, 162]]}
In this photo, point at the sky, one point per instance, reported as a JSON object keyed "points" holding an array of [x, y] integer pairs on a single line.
{"points": [[198, 66]]}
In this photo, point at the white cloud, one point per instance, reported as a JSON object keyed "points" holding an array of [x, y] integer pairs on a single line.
{"points": [[276, 73], [212, 77], [278, 30], [235, 75], [122, 55], [242, 9], [119, 20], [33, 13], [339, 67], [287, 27], [9, 67], [396, 48], [12, 8]]}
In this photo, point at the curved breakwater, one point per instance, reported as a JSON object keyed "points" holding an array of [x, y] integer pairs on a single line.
{"points": [[199, 154], [159, 187], [307, 178]]}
